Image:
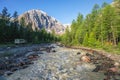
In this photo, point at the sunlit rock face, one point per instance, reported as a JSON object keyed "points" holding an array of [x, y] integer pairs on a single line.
{"points": [[40, 19]]}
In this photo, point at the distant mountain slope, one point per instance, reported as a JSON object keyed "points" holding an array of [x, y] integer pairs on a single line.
{"points": [[40, 19]]}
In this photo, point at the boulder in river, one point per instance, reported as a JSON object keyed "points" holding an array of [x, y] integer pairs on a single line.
{"points": [[116, 64], [31, 55], [53, 50], [113, 69], [1, 72], [7, 73], [78, 53], [85, 58]]}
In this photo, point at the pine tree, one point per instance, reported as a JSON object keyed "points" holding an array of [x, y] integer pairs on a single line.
{"points": [[116, 5], [92, 40], [78, 35], [85, 41], [108, 25], [66, 38], [4, 26]]}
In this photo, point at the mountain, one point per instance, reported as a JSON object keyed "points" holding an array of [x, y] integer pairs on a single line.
{"points": [[67, 25], [40, 19]]}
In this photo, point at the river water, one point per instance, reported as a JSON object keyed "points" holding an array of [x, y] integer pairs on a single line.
{"points": [[62, 64]]}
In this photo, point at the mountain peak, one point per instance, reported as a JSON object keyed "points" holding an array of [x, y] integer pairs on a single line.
{"points": [[37, 10], [39, 19]]}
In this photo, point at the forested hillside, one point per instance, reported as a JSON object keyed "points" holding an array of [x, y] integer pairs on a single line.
{"points": [[100, 28], [11, 29]]}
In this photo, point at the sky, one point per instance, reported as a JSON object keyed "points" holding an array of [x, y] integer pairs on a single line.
{"points": [[63, 10]]}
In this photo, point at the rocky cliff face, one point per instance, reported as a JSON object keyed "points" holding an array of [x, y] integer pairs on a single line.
{"points": [[40, 19]]}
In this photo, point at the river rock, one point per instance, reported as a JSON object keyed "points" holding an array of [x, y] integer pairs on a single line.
{"points": [[113, 69], [7, 73], [53, 50], [85, 59], [1, 72], [14, 69], [116, 64], [29, 53], [78, 53]]}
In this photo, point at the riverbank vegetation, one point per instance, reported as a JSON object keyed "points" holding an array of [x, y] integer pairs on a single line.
{"points": [[99, 29]]}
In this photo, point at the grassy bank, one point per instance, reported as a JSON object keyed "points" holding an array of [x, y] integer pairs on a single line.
{"points": [[108, 49]]}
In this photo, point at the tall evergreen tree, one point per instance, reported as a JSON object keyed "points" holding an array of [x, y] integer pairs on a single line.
{"points": [[4, 25]]}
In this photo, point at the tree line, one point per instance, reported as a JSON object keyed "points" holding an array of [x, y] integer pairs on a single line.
{"points": [[99, 28], [11, 28]]}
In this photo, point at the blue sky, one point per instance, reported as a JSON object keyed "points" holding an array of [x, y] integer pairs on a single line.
{"points": [[63, 10]]}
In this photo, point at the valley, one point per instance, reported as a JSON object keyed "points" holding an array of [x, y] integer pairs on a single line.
{"points": [[34, 45]]}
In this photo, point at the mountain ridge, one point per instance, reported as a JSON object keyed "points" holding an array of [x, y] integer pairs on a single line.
{"points": [[40, 19]]}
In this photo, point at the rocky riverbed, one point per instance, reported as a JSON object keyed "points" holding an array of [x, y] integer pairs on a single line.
{"points": [[52, 62]]}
